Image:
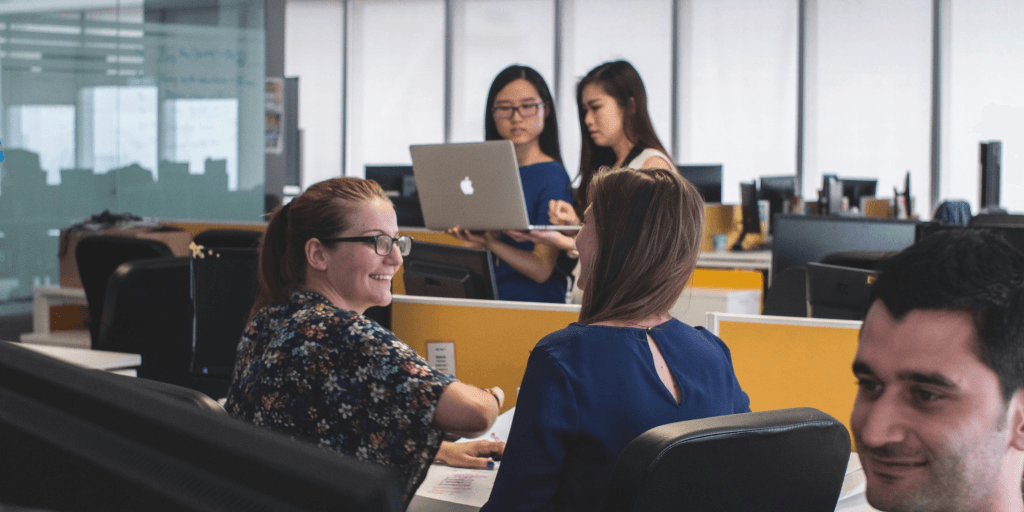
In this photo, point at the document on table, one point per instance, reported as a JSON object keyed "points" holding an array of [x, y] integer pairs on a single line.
{"points": [[466, 486]]}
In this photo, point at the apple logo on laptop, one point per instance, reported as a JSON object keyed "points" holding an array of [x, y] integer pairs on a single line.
{"points": [[467, 186]]}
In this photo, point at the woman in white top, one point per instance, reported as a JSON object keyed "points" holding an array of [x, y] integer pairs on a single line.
{"points": [[617, 132]]}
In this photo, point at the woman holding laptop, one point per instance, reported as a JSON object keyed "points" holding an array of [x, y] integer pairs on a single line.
{"points": [[520, 109], [626, 366], [310, 365]]}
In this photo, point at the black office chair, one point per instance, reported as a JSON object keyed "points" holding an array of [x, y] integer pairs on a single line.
{"points": [[179, 394], [98, 256], [837, 292], [228, 238], [952, 213], [148, 312], [787, 296], [782, 460]]}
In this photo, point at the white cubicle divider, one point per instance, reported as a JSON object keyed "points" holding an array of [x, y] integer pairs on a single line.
{"points": [[695, 304]]}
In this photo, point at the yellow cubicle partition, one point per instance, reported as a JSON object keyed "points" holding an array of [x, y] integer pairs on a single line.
{"points": [[492, 339], [784, 362]]}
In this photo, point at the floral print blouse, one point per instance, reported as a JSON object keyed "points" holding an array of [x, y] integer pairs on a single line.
{"points": [[341, 380]]}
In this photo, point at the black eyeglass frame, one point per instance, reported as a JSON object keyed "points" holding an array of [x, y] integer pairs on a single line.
{"points": [[513, 110], [403, 239]]}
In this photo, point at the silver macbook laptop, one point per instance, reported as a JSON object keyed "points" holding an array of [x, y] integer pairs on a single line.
{"points": [[471, 185]]}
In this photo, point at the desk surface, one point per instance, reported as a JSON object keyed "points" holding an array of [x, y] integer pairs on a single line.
{"points": [[746, 260], [86, 358], [851, 498]]}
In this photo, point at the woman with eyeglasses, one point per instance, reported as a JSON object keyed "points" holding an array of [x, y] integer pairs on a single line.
{"points": [[520, 109], [310, 365], [626, 366]]}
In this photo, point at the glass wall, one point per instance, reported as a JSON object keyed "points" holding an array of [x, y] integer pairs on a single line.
{"points": [[102, 109]]}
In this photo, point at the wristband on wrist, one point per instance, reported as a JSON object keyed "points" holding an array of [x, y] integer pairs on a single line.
{"points": [[495, 395]]}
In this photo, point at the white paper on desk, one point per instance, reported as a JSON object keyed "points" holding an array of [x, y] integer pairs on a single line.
{"points": [[499, 431], [458, 485]]}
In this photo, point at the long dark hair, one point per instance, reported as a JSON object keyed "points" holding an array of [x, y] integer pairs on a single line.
{"points": [[649, 225], [619, 80], [549, 137], [322, 211]]}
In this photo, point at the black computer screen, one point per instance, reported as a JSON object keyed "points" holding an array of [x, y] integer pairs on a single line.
{"points": [[707, 178], [855, 189], [224, 288], [83, 440], [748, 203], [400, 185], [777, 190], [800, 239], [436, 270]]}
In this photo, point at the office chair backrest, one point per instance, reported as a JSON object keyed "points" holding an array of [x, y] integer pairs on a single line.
{"points": [[97, 258], [229, 238], [837, 292], [148, 312], [952, 213], [787, 459], [179, 394], [224, 287]]}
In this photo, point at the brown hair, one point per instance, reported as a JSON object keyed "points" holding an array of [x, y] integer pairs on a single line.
{"points": [[322, 211], [649, 225], [619, 80]]}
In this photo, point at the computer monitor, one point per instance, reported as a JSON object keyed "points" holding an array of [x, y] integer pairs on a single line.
{"points": [[224, 288], [800, 239], [751, 220], [841, 293], [436, 270], [707, 178], [399, 185], [854, 189], [83, 440], [777, 190]]}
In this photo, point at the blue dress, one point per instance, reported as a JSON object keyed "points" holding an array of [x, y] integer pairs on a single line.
{"points": [[338, 379], [590, 390], [541, 183]]}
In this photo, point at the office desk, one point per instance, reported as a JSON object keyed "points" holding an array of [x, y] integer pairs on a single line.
{"points": [[115, 362], [743, 260], [851, 498], [46, 297]]}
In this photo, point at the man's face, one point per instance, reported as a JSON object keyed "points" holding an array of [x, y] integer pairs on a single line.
{"points": [[929, 420]]}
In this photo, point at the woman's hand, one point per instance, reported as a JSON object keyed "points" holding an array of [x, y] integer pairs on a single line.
{"points": [[473, 454], [478, 241], [555, 239], [562, 213]]}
